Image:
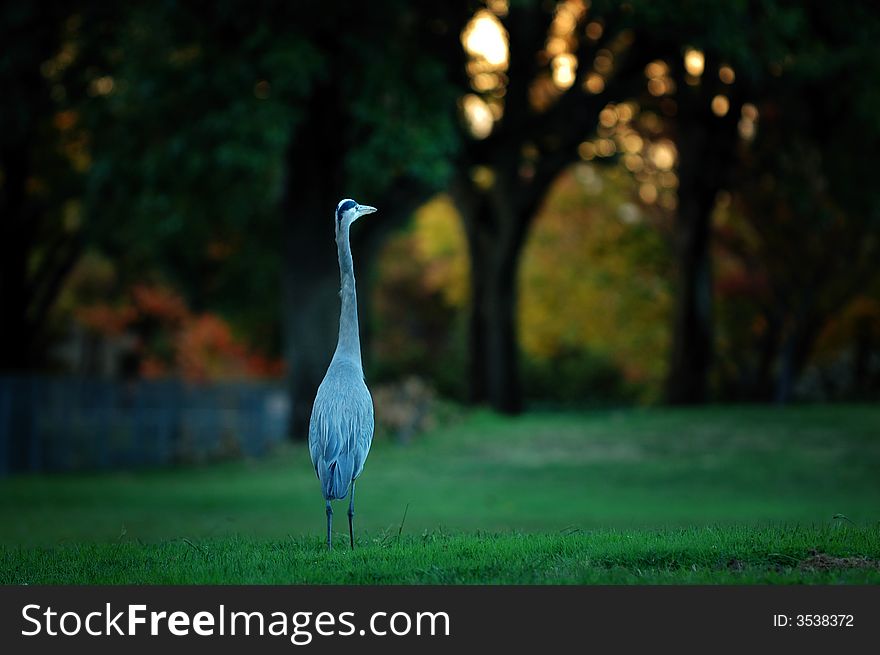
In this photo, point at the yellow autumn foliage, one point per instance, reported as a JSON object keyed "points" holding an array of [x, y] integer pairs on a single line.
{"points": [[441, 247], [593, 275]]}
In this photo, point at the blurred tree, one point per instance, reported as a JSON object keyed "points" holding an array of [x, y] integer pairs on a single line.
{"points": [[287, 109], [805, 223], [43, 158], [538, 75], [188, 147], [593, 297], [721, 56], [594, 292], [145, 111], [378, 127], [846, 356], [188, 130], [526, 68], [420, 299]]}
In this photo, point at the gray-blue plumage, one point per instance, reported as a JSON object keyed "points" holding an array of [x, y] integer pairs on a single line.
{"points": [[341, 428], [341, 425]]}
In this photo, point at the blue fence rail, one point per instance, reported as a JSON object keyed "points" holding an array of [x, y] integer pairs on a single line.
{"points": [[57, 424]]}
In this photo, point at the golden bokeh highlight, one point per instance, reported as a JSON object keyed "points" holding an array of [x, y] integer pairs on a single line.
{"points": [[594, 83], [750, 111], [478, 115], [556, 45], [604, 61], [694, 62], [587, 150], [485, 41], [632, 142], [656, 86], [657, 68], [564, 70], [485, 82], [648, 193], [608, 117], [605, 147], [594, 30], [498, 7], [101, 86], [659, 81], [484, 36], [483, 177], [747, 125], [668, 180], [662, 154], [625, 111], [720, 105], [633, 163], [559, 50], [726, 74]]}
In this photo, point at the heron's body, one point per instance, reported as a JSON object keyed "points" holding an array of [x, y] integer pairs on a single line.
{"points": [[341, 425], [341, 428]]}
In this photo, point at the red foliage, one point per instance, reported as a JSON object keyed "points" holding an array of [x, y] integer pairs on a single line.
{"points": [[740, 283], [105, 319], [159, 303], [173, 340]]}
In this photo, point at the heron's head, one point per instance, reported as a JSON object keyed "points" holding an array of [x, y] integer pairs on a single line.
{"points": [[348, 211]]}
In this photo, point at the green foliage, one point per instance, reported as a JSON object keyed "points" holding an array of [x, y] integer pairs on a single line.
{"points": [[188, 148], [594, 292], [43, 159], [401, 99], [157, 133], [593, 299], [164, 131], [575, 378], [419, 324], [799, 242], [754, 37]]}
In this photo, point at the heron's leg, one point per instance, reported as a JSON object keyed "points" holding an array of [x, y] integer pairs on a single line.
{"points": [[351, 515], [329, 526]]}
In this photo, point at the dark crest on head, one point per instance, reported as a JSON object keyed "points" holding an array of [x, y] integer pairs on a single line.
{"points": [[343, 207]]}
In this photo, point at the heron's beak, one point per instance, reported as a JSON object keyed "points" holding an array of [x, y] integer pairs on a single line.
{"points": [[365, 209]]}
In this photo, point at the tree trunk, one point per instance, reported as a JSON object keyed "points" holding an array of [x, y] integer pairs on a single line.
{"points": [[706, 148], [502, 365], [16, 243], [692, 329], [495, 238], [310, 272], [863, 347], [29, 223], [762, 387], [480, 253]]}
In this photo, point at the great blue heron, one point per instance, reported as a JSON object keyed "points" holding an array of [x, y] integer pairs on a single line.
{"points": [[341, 426]]}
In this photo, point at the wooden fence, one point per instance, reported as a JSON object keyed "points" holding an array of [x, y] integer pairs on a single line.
{"points": [[57, 424]]}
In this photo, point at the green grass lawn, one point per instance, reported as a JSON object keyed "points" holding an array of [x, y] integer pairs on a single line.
{"points": [[741, 494]]}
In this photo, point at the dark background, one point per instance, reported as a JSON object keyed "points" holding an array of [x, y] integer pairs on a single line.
{"points": [[637, 202]]}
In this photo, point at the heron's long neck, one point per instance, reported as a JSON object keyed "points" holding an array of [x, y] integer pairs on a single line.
{"points": [[349, 344]]}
